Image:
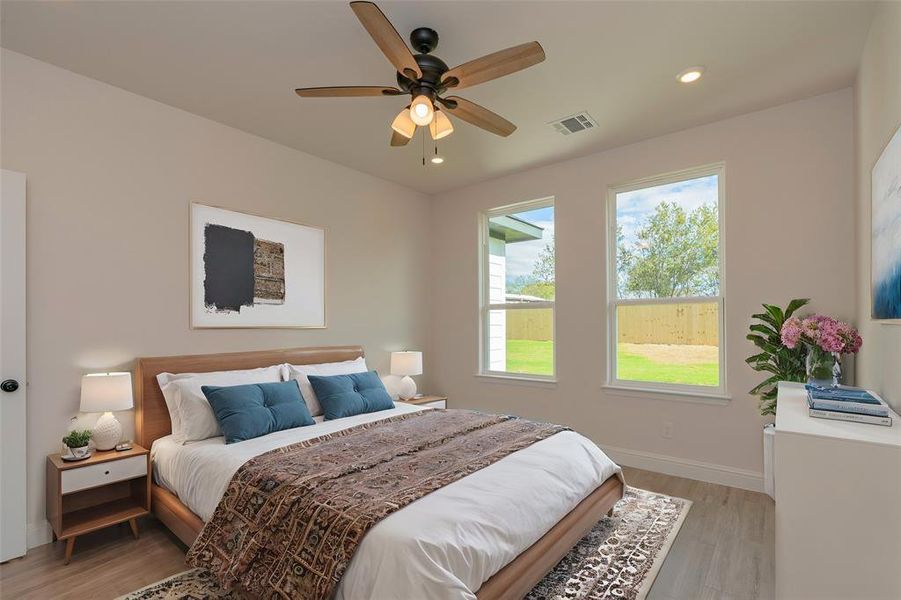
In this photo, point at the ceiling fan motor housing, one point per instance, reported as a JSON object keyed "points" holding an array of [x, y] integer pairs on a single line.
{"points": [[424, 39], [433, 68]]}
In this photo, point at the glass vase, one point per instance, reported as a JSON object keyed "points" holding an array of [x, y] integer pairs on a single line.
{"points": [[824, 368]]}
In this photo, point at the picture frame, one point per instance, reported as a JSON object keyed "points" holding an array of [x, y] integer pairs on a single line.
{"points": [[885, 258], [252, 271]]}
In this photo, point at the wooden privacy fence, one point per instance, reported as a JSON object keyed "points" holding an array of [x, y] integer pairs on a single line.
{"points": [[691, 324], [537, 324]]}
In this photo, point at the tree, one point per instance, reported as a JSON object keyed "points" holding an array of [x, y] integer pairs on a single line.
{"points": [[676, 254], [543, 271], [541, 281]]}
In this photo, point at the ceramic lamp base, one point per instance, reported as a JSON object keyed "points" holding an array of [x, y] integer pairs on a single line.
{"points": [[406, 388], [107, 432]]}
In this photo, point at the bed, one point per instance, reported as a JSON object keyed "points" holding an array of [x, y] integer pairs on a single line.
{"points": [[494, 554]]}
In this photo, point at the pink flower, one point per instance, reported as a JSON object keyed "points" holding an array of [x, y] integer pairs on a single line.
{"points": [[831, 335], [791, 332]]}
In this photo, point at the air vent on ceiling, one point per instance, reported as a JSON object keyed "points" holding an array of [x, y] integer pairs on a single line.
{"points": [[574, 123]]}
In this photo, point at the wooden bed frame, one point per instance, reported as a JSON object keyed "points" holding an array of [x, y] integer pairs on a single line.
{"points": [[152, 422]]}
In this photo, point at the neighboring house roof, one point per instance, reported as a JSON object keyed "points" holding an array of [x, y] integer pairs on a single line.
{"points": [[523, 298], [512, 229]]}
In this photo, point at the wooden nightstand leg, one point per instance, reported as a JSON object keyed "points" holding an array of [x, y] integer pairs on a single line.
{"points": [[610, 512], [134, 527], [70, 545]]}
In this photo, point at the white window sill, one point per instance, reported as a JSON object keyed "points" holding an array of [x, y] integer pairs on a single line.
{"points": [[623, 391], [512, 379]]}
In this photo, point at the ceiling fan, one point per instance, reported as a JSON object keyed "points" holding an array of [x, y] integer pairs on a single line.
{"points": [[426, 78]]}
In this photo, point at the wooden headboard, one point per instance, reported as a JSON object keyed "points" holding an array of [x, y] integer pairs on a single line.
{"points": [[152, 416]]}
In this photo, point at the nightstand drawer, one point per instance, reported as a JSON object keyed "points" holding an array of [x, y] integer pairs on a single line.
{"points": [[103, 473], [435, 404]]}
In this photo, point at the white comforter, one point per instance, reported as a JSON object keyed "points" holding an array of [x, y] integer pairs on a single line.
{"points": [[444, 545]]}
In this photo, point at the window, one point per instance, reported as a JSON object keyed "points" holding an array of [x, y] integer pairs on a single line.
{"points": [[517, 291], [666, 282]]}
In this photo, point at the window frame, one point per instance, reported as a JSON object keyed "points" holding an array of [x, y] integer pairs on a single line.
{"points": [[485, 306], [680, 389]]}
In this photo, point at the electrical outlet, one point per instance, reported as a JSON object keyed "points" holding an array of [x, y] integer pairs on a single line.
{"points": [[667, 430]]}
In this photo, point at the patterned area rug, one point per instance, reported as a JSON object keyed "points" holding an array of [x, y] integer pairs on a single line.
{"points": [[619, 558]]}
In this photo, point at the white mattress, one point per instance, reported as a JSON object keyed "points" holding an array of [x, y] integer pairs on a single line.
{"points": [[444, 545]]}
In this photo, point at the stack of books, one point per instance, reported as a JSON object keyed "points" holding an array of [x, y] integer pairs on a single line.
{"points": [[847, 404]]}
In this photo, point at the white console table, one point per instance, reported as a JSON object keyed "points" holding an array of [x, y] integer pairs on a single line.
{"points": [[838, 505]]}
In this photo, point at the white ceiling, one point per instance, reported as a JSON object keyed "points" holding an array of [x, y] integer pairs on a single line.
{"points": [[238, 63]]}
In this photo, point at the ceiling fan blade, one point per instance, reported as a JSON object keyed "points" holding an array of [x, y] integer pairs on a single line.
{"points": [[494, 65], [386, 38], [347, 91], [478, 115], [398, 139]]}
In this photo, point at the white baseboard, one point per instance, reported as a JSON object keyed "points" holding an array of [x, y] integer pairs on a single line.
{"points": [[38, 534], [690, 469]]}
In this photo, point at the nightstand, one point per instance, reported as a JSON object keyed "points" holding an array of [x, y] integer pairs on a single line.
{"points": [[107, 488], [430, 401]]}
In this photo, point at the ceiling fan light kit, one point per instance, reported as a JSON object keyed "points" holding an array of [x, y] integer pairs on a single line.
{"points": [[403, 124], [425, 77], [441, 126], [422, 110]]}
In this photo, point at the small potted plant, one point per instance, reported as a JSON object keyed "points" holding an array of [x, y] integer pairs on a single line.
{"points": [[77, 443]]}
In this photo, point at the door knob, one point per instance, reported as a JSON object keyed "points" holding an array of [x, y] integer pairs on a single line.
{"points": [[9, 385]]}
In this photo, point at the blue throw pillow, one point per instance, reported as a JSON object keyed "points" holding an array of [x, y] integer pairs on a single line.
{"points": [[349, 395], [248, 411]]}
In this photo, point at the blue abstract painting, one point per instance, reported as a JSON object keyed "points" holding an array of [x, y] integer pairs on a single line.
{"points": [[887, 231]]}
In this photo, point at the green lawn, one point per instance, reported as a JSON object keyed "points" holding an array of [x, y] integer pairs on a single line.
{"points": [[537, 358]]}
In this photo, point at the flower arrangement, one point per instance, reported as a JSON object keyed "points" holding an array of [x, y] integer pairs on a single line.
{"points": [[830, 335], [826, 339]]}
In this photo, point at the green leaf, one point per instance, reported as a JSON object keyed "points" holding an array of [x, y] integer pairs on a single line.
{"points": [[763, 343], [767, 319], [765, 330], [776, 313], [763, 356], [769, 381], [795, 305]]}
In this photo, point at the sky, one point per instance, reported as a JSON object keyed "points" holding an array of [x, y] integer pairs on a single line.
{"points": [[634, 208], [521, 256]]}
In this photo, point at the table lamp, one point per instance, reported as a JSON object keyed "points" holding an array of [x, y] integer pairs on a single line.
{"points": [[406, 363], [104, 393]]}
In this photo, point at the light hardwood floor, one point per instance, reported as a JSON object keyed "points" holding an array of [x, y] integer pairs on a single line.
{"points": [[724, 551]]}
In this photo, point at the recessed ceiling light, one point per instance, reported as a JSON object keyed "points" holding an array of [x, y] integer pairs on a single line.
{"points": [[690, 75]]}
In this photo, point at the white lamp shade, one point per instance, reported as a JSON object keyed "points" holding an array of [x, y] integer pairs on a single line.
{"points": [[422, 110], [102, 392], [406, 363], [403, 124], [440, 126]]}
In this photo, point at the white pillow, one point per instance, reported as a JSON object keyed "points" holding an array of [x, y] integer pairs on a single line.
{"points": [[191, 415], [300, 374]]}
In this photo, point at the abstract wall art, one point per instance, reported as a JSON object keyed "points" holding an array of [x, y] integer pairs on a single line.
{"points": [[886, 269], [251, 271]]}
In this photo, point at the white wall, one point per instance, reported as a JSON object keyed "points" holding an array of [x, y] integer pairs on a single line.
{"points": [[878, 115], [789, 233], [110, 178]]}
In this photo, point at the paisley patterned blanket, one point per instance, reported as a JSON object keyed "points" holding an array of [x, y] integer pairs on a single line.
{"points": [[292, 518]]}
